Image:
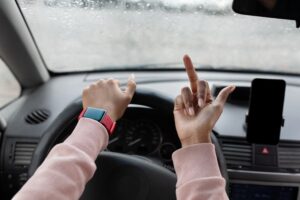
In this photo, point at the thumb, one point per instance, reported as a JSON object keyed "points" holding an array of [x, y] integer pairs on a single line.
{"points": [[131, 85], [223, 95]]}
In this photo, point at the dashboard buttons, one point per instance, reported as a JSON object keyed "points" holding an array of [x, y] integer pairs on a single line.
{"points": [[265, 155], [265, 151]]}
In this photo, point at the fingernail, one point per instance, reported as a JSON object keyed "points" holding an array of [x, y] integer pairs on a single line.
{"points": [[200, 103], [132, 77], [191, 111], [232, 88]]}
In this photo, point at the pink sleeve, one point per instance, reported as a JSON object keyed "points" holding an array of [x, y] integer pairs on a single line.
{"points": [[68, 166], [198, 174]]}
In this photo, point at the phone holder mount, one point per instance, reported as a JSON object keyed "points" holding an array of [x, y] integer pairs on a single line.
{"points": [[247, 120]]}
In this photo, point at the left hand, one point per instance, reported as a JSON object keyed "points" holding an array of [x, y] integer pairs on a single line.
{"points": [[107, 94]]}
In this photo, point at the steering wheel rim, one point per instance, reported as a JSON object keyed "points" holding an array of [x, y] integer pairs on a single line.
{"points": [[142, 97], [121, 176]]}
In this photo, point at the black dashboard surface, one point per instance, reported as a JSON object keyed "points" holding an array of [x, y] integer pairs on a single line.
{"points": [[60, 91]]}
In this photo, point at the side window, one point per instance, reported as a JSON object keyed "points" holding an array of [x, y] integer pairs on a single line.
{"points": [[9, 86]]}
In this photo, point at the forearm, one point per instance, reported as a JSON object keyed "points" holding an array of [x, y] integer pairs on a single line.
{"points": [[69, 165], [198, 174]]}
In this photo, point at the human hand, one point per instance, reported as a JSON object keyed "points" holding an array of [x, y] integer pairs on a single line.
{"points": [[195, 111], [107, 94]]}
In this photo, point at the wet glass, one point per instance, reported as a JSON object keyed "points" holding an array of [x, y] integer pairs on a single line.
{"points": [[76, 35]]}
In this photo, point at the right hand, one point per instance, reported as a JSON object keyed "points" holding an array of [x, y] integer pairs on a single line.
{"points": [[195, 111]]}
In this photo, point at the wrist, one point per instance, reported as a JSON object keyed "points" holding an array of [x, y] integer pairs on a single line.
{"points": [[101, 116], [111, 114], [195, 140], [107, 108]]}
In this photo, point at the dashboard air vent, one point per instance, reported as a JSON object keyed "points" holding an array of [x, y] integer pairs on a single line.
{"points": [[23, 153], [38, 116], [289, 155], [237, 152]]}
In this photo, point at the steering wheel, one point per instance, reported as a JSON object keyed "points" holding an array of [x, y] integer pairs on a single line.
{"points": [[118, 175]]}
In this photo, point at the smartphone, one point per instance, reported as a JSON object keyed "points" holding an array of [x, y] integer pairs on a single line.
{"points": [[265, 117]]}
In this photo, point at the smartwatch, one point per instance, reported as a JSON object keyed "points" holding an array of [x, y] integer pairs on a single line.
{"points": [[100, 115]]}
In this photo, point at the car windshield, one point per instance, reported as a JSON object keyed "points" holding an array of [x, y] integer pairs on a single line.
{"points": [[80, 35]]}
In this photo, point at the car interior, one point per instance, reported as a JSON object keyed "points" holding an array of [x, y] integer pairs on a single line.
{"points": [[52, 66]]}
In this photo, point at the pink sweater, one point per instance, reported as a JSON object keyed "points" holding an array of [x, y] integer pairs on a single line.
{"points": [[70, 165]]}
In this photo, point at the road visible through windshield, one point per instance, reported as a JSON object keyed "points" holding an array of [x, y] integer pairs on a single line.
{"points": [[73, 38]]}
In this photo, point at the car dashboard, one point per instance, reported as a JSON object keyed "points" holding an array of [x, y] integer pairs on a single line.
{"points": [[150, 133]]}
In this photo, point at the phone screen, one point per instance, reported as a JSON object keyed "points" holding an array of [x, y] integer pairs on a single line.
{"points": [[265, 119]]}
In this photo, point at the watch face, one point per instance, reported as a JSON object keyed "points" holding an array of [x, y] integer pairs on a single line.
{"points": [[94, 113]]}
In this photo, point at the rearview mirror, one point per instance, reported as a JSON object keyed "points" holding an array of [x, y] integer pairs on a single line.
{"points": [[282, 9]]}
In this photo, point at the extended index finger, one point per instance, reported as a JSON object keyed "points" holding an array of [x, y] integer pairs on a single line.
{"points": [[191, 72]]}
